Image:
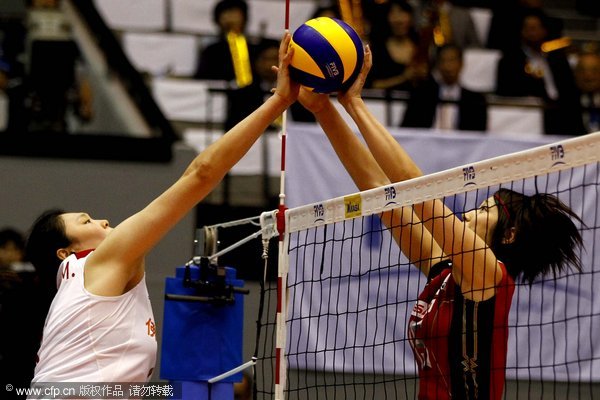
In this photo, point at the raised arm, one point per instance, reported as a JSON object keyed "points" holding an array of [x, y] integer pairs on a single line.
{"points": [[474, 265], [356, 158], [415, 242], [117, 264], [392, 158]]}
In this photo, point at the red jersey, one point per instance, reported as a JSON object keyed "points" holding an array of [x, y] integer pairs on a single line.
{"points": [[459, 344]]}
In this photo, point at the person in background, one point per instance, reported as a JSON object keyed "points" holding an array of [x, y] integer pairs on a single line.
{"points": [[242, 101], [12, 70], [453, 23], [230, 57], [587, 78], [57, 86], [441, 102], [504, 31], [395, 44], [533, 70], [243, 390], [23, 306], [12, 95], [12, 251], [4, 98]]}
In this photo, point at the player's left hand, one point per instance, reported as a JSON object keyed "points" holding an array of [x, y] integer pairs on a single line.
{"points": [[313, 102], [286, 88]]}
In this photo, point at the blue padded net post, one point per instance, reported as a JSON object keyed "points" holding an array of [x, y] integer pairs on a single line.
{"points": [[203, 330]]}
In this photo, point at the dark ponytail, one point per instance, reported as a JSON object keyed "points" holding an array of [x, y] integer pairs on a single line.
{"points": [[546, 238]]}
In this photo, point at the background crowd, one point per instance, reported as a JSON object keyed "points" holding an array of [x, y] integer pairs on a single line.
{"points": [[418, 48], [409, 40]]}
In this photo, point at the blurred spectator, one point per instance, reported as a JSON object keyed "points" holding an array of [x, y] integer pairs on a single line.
{"points": [[12, 45], [12, 92], [22, 312], [532, 70], [242, 101], [229, 58], [12, 29], [440, 102], [243, 390], [587, 77], [505, 25], [394, 42], [4, 102], [56, 83], [12, 252], [452, 23]]}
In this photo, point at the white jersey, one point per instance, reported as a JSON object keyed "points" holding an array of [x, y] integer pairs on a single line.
{"points": [[90, 338]]}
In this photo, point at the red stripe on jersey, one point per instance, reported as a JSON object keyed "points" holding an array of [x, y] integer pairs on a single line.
{"points": [[460, 345], [503, 297], [83, 253]]}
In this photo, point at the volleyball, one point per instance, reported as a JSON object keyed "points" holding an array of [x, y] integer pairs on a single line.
{"points": [[328, 55]]}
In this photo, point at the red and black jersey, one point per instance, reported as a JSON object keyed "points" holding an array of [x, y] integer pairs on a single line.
{"points": [[460, 345]]}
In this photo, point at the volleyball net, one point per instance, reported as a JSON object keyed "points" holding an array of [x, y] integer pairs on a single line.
{"points": [[336, 320]]}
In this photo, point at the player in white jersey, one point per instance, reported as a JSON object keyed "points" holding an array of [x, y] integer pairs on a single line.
{"points": [[112, 341], [100, 326]]}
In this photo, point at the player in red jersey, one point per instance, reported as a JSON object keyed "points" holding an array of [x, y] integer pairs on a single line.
{"points": [[459, 326]]}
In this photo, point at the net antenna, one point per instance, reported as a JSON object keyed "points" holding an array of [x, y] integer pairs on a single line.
{"points": [[280, 364]]}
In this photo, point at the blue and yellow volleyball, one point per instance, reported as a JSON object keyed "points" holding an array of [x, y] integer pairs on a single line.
{"points": [[328, 55]]}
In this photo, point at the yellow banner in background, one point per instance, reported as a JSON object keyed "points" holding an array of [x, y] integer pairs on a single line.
{"points": [[241, 59]]}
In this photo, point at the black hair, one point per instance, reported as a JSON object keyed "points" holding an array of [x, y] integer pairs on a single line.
{"points": [[537, 13], [225, 5], [545, 238], [10, 235], [449, 46], [265, 44], [46, 236], [381, 30]]}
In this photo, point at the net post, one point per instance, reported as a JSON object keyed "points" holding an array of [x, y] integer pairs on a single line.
{"points": [[280, 329], [280, 364]]}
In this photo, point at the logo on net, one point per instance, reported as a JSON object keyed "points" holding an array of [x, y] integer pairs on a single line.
{"points": [[557, 155], [469, 176], [319, 212], [390, 195]]}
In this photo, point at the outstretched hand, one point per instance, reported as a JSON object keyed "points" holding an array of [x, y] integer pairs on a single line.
{"points": [[313, 102], [355, 90], [286, 89]]}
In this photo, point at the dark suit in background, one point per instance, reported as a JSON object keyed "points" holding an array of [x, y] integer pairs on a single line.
{"points": [[561, 115], [423, 104]]}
